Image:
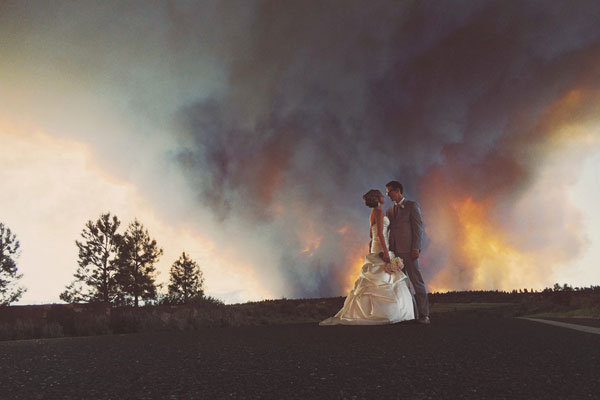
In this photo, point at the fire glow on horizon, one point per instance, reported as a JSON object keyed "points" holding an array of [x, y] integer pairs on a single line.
{"points": [[476, 249], [494, 262], [538, 230]]}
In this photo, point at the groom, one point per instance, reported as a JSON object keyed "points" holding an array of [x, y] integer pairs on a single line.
{"points": [[406, 238]]}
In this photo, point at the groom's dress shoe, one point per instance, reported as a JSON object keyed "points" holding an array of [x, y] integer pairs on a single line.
{"points": [[424, 320]]}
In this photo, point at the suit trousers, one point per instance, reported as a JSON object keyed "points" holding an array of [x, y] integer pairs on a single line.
{"points": [[412, 269]]}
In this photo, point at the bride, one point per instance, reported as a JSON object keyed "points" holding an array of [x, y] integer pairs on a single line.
{"points": [[380, 294]]}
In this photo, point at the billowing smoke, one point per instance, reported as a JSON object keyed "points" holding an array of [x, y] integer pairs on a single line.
{"points": [[280, 115], [325, 102]]}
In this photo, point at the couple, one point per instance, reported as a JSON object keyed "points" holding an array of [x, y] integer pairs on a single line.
{"points": [[381, 294]]}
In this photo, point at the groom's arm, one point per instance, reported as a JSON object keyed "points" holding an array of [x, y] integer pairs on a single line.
{"points": [[416, 224]]}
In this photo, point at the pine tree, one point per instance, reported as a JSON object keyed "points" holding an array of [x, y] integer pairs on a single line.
{"points": [[135, 263], [9, 252], [186, 280], [95, 276]]}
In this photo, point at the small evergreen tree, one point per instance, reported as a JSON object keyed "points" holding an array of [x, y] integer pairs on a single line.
{"points": [[95, 276], [135, 264], [185, 280], [9, 252]]}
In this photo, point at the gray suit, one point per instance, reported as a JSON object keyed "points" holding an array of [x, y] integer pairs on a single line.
{"points": [[406, 234]]}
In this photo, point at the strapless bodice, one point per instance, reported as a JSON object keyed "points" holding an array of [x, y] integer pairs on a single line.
{"points": [[376, 246]]}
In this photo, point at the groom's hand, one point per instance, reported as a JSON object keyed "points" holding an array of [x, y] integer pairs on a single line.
{"points": [[414, 254]]}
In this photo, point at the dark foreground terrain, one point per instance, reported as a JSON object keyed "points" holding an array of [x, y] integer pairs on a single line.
{"points": [[460, 355]]}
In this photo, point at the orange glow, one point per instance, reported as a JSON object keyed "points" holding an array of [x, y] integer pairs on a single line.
{"points": [[352, 273], [313, 242], [354, 257], [484, 250], [477, 241], [344, 229], [567, 120]]}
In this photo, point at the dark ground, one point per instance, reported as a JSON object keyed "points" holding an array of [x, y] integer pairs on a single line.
{"points": [[460, 355]]}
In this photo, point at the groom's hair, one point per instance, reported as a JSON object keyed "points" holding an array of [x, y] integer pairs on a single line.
{"points": [[393, 185], [371, 198]]}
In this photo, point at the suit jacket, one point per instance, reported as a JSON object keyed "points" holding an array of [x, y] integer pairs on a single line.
{"points": [[406, 227]]}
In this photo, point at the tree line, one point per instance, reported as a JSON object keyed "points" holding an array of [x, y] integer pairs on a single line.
{"points": [[113, 267]]}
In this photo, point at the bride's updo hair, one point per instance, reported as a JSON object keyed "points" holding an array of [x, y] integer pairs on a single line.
{"points": [[371, 198]]}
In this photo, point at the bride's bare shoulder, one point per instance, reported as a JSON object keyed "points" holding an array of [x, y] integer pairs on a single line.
{"points": [[376, 215], [377, 212]]}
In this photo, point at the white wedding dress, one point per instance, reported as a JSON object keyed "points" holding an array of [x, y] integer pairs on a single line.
{"points": [[377, 297]]}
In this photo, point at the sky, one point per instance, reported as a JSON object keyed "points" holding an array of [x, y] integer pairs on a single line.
{"points": [[246, 132]]}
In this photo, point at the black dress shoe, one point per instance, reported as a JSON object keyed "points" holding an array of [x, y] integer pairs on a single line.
{"points": [[424, 320]]}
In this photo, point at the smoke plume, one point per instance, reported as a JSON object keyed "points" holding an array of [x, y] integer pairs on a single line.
{"points": [[459, 103]]}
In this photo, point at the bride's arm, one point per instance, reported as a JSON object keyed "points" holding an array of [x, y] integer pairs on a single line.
{"points": [[379, 221]]}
